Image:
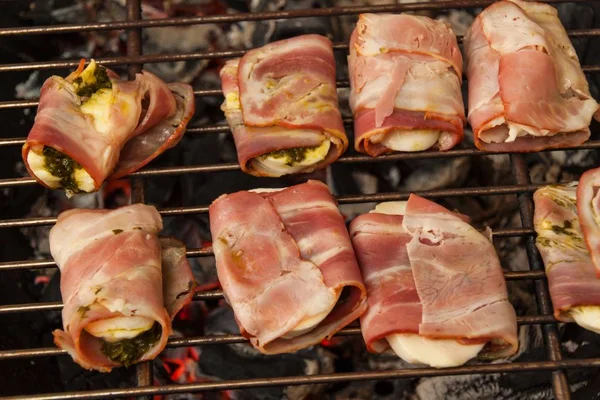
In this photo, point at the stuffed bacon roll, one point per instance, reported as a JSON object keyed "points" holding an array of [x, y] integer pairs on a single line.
{"points": [[286, 265], [574, 287], [91, 126], [281, 105], [405, 78], [121, 285], [527, 91], [435, 289]]}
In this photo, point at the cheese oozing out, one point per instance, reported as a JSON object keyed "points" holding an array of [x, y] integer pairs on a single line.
{"points": [[279, 164], [119, 328], [415, 349], [587, 317], [36, 163], [407, 140]]}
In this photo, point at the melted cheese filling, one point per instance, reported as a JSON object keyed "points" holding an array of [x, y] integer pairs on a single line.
{"points": [[438, 353], [119, 328], [281, 165], [36, 162], [98, 107], [587, 317], [413, 140], [415, 349]]}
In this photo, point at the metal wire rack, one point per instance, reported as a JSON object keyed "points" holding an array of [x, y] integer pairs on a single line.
{"points": [[522, 189]]}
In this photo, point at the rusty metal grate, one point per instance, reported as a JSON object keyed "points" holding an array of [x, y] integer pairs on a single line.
{"points": [[523, 189]]}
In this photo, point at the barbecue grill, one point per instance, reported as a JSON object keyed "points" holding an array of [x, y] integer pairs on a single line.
{"points": [[522, 188]]}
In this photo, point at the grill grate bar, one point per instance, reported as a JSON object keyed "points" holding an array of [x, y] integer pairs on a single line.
{"points": [[559, 379], [207, 252], [254, 16], [227, 339], [218, 294], [315, 379], [9, 182], [362, 198]]}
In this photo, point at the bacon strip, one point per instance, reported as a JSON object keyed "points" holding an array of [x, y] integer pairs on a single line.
{"points": [[283, 96], [527, 91], [285, 261], [571, 274], [588, 208], [405, 74], [145, 133], [112, 265], [380, 244], [439, 273]]}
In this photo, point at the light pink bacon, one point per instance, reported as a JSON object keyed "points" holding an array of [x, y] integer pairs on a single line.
{"points": [[523, 70], [144, 131], [113, 264], [405, 74], [430, 273], [571, 274], [393, 303], [288, 99], [588, 208], [281, 257]]}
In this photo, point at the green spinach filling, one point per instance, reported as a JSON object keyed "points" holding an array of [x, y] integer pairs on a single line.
{"points": [[100, 81], [61, 166], [128, 351], [292, 156]]}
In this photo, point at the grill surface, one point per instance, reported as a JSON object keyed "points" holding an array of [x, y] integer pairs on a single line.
{"points": [[523, 189]]}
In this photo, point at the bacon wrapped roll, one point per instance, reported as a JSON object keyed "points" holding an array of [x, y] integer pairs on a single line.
{"points": [[121, 285], [527, 91], [435, 289], [405, 78], [574, 287], [281, 105], [92, 126], [286, 265]]}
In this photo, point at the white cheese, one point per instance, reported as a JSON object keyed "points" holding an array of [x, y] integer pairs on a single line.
{"points": [[36, 164], [438, 353], [310, 323], [587, 317], [119, 328], [278, 165], [407, 140]]}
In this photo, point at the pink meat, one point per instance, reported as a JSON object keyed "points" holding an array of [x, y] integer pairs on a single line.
{"points": [[112, 264], [283, 261], [459, 280], [571, 274], [287, 97], [588, 208], [522, 69], [405, 72], [145, 132], [380, 244]]}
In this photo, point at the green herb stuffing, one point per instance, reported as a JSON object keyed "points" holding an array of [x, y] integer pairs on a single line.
{"points": [[61, 166], [100, 81], [129, 351], [292, 156], [117, 231], [82, 310]]}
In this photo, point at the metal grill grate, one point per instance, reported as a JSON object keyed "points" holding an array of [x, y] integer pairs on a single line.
{"points": [[522, 189]]}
